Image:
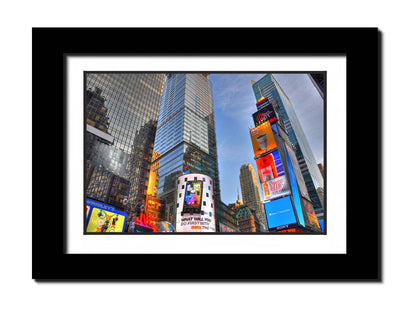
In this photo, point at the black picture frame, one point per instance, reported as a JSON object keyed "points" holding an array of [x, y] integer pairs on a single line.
{"points": [[361, 46]]}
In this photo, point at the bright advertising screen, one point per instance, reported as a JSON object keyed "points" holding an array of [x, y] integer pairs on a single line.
{"points": [[310, 212], [192, 198], [265, 114], [262, 139], [272, 176], [321, 223], [195, 205], [104, 218], [280, 213], [225, 229]]}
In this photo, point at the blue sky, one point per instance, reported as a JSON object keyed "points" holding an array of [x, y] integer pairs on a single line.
{"points": [[234, 104]]}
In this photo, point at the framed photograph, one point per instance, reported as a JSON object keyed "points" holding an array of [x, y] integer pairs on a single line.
{"points": [[210, 146]]}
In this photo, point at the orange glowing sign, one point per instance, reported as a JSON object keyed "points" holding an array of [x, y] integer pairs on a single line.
{"points": [[262, 139], [294, 230], [146, 221]]}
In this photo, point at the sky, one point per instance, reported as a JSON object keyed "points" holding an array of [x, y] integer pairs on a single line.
{"points": [[234, 104]]}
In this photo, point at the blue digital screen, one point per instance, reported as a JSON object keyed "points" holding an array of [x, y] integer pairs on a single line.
{"points": [[321, 223], [280, 212], [295, 192]]}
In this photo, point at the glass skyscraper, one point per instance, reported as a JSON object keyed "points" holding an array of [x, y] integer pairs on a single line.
{"points": [[121, 115], [268, 87], [185, 136]]}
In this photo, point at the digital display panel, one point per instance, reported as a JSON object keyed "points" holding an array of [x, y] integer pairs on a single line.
{"points": [[195, 204], [104, 218], [295, 191], [267, 113], [310, 213], [321, 223], [263, 102], [275, 188], [192, 197], [225, 229], [262, 139], [280, 212]]}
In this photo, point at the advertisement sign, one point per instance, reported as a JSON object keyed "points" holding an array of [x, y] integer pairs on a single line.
{"points": [[272, 176], [280, 213], [298, 173], [267, 113], [192, 198], [275, 188], [321, 223], [104, 218], [270, 166], [295, 190], [225, 229], [145, 223], [195, 210], [262, 139], [263, 102], [292, 230], [310, 213]]}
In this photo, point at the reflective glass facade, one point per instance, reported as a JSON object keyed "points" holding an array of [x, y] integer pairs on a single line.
{"points": [[185, 136], [121, 112], [268, 87]]}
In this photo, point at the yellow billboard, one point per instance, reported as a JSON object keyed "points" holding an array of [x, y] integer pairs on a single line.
{"points": [[262, 139], [103, 220]]}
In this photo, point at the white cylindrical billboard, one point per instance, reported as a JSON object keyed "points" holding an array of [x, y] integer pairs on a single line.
{"points": [[195, 206]]}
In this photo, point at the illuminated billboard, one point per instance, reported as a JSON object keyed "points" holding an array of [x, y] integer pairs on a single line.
{"points": [[270, 166], [103, 218], [263, 102], [267, 113], [310, 213], [145, 223], [298, 173], [225, 229], [275, 188], [195, 206], [295, 190], [262, 139], [321, 223], [192, 197], [272, 176], [280, 213]]}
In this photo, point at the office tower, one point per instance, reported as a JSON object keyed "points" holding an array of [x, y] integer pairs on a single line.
{"points": [[121, 116], [251, 193], [318, 80], [269, 88], [185, 135]]}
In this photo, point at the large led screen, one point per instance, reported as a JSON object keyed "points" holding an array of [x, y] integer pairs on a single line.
{"points": [[195, 204], [280, 213], [272, 176], [262, 139], [265, 114], [192, 198], [104, 218]]}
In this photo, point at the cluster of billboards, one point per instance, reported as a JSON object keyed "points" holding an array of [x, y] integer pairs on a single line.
{"points": [[286, 199], [103, 218]]}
